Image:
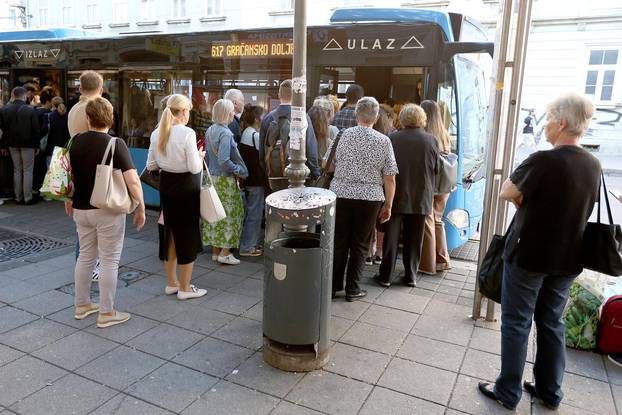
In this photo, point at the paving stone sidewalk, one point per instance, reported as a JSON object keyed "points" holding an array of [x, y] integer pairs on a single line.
{"points": [[401, 351]]}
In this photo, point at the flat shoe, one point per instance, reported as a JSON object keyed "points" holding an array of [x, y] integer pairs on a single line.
{"points": [[530, 387], [357, 296], [117, 317], [410, 283], [193, 293], [228, 260], [380, 282], [487, 389], [83, 311], [171, 290]]}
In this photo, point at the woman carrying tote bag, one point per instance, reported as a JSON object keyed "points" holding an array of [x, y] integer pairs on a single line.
{"points": [[100, 231], [173, 151]]}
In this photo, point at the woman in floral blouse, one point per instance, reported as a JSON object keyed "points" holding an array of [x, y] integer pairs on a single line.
{"points": [[364, 183]]}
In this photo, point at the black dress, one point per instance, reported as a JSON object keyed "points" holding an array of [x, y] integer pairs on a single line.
{"points": [[179, 197]]}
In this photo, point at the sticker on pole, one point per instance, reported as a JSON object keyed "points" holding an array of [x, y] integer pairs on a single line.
{"points": [[280, 271], [297, 127], [299, 85]]}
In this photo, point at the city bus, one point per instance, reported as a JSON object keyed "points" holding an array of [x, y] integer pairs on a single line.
{"points": [[397, 55]]}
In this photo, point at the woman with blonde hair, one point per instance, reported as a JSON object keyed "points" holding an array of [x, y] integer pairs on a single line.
{"points": [[58, 134], [434, 254], [226, 166], [173, 151]]}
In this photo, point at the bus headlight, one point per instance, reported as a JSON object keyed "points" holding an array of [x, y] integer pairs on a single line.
{"points": [[459, 218]]}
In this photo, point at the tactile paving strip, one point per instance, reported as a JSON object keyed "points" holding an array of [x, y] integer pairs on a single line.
{"points": [[467, 252]]}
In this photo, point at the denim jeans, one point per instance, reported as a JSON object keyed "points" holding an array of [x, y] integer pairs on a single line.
{"points": [[525, 296], [253, 213]]}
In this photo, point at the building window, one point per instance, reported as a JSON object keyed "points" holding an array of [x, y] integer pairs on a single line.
{"points": [[601, 74], [13, 17], [214, 7], [92, 12], [287, 4], [147, 10], [119, 11], [179, 9], [43, 13], [66, 15]]}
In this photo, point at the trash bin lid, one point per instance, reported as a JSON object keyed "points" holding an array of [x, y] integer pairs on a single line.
{"points": [[301, 199]]}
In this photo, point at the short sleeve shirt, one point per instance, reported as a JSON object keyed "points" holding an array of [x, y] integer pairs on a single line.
{"points": [[85, 153], [559, 189], [362, 159]]}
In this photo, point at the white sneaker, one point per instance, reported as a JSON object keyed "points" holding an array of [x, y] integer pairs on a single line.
{"points": [[171, 290], [228, 260], [193, 293]]}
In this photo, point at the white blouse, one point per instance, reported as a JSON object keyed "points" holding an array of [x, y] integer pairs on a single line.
{"points": [[181, 155]]}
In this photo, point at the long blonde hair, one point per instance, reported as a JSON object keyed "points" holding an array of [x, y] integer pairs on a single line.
{"points": [[435, 125], [174, 105]]}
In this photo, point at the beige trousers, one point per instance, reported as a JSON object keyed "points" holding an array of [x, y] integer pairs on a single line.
{"points": [[434, 254], [101, 234]]}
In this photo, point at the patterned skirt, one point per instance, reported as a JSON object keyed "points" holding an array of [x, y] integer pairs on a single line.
{"points": [[226, 233]]}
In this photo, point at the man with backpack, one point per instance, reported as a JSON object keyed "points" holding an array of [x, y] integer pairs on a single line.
{"points": [[274, 137]]}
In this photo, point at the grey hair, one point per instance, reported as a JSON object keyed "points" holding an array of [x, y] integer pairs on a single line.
{"points": [[575, 109], [222, 109], [233, 94], [325, 104], [367, 110]]}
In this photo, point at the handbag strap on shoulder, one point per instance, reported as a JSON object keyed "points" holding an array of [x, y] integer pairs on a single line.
{"points": [[333, 150], [604, 189], [111, 146], [209, 176]]}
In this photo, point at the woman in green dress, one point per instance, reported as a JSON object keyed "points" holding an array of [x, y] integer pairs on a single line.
{"points": [[226, 167]]}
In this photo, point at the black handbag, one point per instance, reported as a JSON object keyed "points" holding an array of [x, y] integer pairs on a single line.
{"points": [[151, 178], [490, 275], [327, 176], [602, 243]]}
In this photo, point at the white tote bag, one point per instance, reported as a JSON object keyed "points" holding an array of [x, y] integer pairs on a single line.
{"points": [[212, 209], [110, 191]]}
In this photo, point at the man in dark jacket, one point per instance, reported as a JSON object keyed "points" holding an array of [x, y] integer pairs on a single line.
{"points": [[237, 97], [416, 153], [21, 135]]}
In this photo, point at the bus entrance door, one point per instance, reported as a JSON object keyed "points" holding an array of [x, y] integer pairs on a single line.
{"points": [[37, 80]]}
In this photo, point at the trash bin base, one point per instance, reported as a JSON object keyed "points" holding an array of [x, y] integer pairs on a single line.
{"points": [[293, 359]]}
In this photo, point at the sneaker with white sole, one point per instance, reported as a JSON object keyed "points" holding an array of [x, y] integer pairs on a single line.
{"points": [[117, 317], [95, 274], [83, 311], [193, 293], [228, 260], [252, 253], [171, 290]]}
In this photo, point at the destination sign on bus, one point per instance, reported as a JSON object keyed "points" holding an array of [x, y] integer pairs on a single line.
{"points": [[252, 49]]}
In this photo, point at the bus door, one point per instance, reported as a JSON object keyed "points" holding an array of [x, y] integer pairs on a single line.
{"points": [[463, 93], [142, 91], [5, 89], [37, 79]]}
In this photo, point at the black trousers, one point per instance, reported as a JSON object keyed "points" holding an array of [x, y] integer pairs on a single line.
{"points": [[354, 224], [413, 242]]}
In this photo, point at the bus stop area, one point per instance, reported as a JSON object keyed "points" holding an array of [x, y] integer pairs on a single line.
{"points": [[401, 350]]}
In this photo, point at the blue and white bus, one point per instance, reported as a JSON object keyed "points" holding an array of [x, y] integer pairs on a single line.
{"points": [[397, 55]]}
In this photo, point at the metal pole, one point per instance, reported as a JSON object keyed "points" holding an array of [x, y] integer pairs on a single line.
{"points": [[506, 107], [501, 46], [297, 171]]}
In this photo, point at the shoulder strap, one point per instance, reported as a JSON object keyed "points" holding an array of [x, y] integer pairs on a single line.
{"points": [[253, 138], [333, 150], [111, 145]]}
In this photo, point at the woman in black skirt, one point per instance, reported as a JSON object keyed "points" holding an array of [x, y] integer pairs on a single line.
{"points": [[173, 151]]}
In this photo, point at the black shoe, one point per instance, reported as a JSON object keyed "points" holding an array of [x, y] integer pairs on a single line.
{"points": [[356, 296], [381, 282], [20, 202], [410, 283], [487, 389], [369, 261], [615, 358], [32, 201], [530, 387], [377, 260]]}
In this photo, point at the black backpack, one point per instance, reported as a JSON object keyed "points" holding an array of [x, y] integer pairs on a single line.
{"points": [[276, 146]]}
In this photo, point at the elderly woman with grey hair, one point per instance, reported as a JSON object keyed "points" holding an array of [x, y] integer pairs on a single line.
{"points": [[364, 183], [226, 166], [554, 192]]}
